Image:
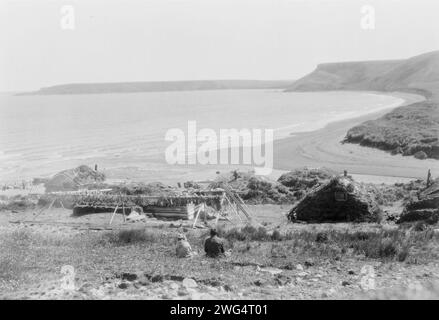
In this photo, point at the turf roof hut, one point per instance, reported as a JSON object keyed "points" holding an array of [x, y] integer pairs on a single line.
{"points": [[426, 208], [74, 179], [340, 199]]}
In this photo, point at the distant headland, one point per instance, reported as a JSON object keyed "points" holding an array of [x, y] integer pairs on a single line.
{"points": [[159, 86]]}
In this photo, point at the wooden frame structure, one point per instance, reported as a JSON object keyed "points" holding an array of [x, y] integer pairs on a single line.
{"points": [[104, 199]]}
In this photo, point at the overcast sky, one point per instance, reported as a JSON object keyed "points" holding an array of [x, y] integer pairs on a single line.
{"points": [[142, 40]]}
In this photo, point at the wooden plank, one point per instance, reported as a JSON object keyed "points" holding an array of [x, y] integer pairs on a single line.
{"points": [[171, 215], [183, 214], [168, 209], [186, 212]]}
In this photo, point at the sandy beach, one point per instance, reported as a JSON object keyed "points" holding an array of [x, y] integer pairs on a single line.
{"points": [[318, 148], [322, 148]]}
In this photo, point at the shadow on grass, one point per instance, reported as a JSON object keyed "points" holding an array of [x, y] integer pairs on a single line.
{"points": [[130, 236]]}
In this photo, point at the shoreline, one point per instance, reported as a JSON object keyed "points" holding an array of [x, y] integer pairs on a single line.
{"points": [[308, 149], [303, 149], [403, 99]]}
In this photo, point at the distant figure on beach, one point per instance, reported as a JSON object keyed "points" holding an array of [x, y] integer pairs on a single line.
{"points": [[428, 178], [96, 167], [214, 245], [184, 249]]}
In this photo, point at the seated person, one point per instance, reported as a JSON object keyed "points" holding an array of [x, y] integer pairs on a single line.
{"points": [[214, 246], [184, 249]]}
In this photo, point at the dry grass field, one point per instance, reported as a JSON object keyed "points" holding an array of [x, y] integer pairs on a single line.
{"points": [[271, 259]]}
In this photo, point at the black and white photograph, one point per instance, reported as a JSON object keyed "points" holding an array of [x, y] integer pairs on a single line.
{"points": [[219, 151]]}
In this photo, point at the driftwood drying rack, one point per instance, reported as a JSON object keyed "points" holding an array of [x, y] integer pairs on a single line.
{"points": [[224, 195]]}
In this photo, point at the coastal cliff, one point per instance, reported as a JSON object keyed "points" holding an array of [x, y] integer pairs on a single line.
{"points": [[407, 130]]}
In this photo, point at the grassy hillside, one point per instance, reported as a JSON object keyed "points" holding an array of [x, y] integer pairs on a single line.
{"points": [[409, 130], [420, 72], [154, 86]]}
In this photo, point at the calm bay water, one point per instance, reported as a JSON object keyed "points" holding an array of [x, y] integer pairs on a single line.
{"points": [[40, 135]]}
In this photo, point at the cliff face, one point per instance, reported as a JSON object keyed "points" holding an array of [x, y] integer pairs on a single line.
{"points": [[420, 72], [344, 76], [408, 130]]}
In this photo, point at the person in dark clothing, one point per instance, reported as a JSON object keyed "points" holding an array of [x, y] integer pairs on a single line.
{"points": [[214, 245]]}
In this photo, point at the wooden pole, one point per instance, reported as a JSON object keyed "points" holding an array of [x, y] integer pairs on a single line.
{"points": [[237, 199], [233, 208], [196, 217], [112, 216], [243, 203], [50, 207], [42, 209], [232, 196]]}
